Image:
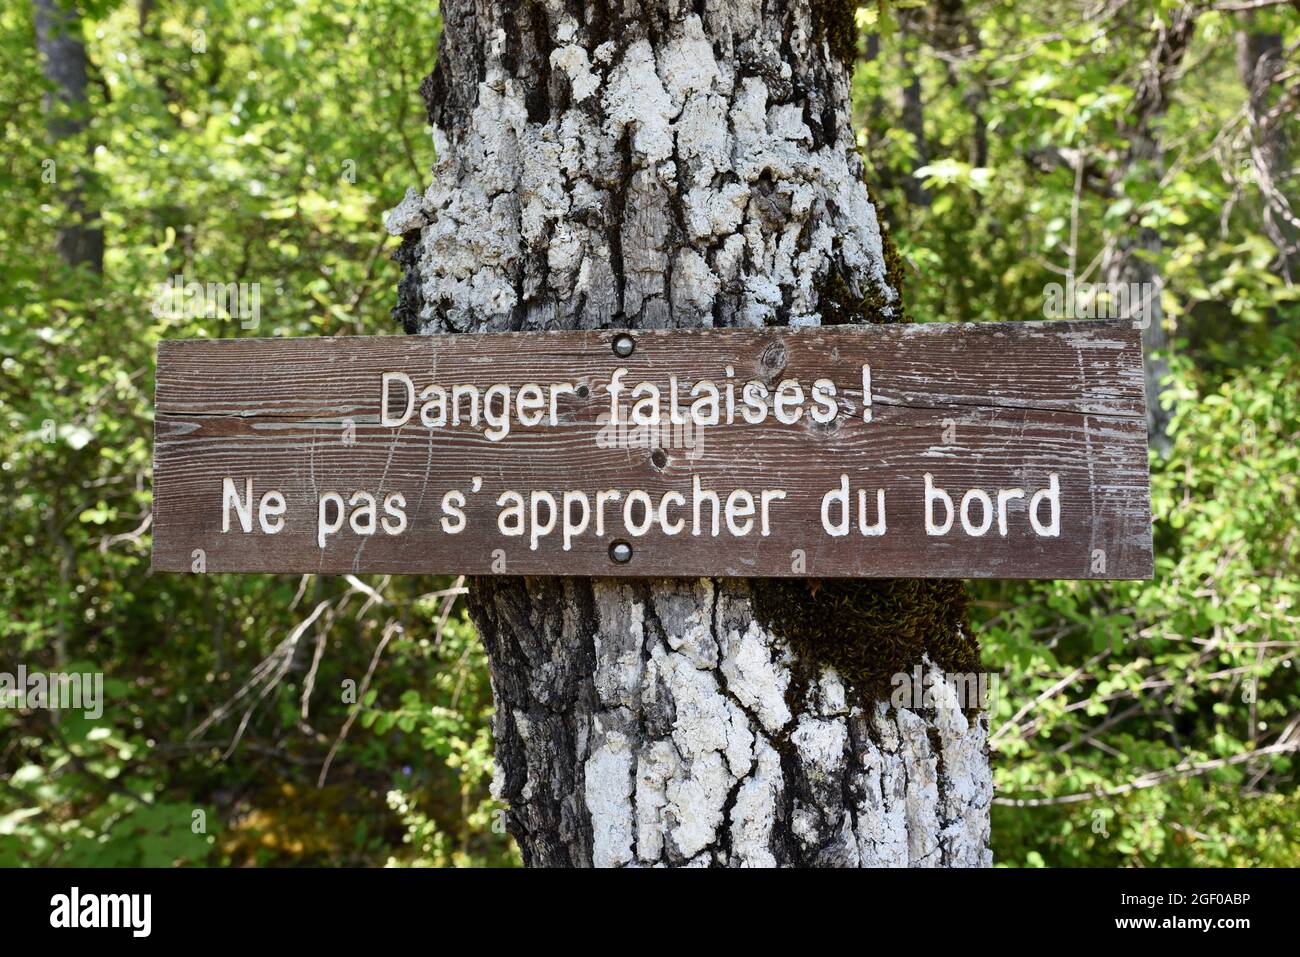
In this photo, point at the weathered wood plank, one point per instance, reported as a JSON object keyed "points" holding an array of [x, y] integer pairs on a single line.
{"points": [[991, 407]]}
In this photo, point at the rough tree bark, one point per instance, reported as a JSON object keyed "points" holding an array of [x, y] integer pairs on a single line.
{"points": [[650, 164]]}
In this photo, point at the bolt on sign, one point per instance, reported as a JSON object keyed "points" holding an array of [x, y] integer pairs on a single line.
{"points": [[997, 450]]}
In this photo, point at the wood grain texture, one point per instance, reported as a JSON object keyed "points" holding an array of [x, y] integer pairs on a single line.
{"points": [[987, 406]]}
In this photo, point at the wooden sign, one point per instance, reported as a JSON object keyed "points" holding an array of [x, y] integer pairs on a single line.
{"points": [[1008, 450]]}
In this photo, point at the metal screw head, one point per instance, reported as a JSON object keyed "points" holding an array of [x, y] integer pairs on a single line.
{"points": [[624, 345], [620, 553]]}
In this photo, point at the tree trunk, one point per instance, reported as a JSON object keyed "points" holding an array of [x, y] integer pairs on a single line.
{"points": [[912, 112], [63, 61], [1260, 58], [1134, 263], [1133, 258], [647, 165]]}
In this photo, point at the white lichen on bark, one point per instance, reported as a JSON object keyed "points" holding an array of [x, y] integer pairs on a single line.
{"points": [[650, 164], [706, 775], [515, 228]]}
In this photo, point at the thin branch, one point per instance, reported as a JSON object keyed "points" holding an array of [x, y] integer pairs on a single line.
{"points": [[1183, 771], [391, 629], [277, 661]]}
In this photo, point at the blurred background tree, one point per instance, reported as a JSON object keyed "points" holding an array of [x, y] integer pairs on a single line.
{"points": [[277, 720]]}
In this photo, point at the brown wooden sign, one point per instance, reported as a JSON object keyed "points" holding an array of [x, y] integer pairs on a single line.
{"points": [[1008, 450]]}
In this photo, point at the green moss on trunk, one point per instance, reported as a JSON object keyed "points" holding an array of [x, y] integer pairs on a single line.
{"points": [[869, 630], [836, 21]]}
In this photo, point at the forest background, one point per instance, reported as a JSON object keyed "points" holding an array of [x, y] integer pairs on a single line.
{"points": [[290, 720]]}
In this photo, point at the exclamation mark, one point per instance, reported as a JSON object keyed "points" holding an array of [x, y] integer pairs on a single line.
{"points": [[866, 392]]}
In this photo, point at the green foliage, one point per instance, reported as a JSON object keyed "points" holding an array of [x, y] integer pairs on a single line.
{"points": [[1162, 702], [463, 826], [1138, 723], [248, 141], [259, 142]]}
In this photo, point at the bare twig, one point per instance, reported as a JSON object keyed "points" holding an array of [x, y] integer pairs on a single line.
{"points": [[1182, 771], [391, 629], [273, 667]]}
